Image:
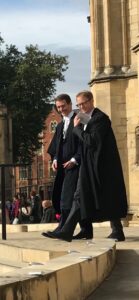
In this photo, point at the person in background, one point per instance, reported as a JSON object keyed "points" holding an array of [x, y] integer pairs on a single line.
{"points": [[100, 194], [65, 154], [25, 210], [36, 207], [48, 212], [8, 206], [15, 209]]}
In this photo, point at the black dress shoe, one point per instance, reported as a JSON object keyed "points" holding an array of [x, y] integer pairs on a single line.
{"points": [[117, 236], [83, 235], [61, 235], [48, 234]]}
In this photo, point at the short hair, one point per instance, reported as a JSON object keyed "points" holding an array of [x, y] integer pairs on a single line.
{"points": [[62, 97], [33, 193], [46, 203], [87, 94]]}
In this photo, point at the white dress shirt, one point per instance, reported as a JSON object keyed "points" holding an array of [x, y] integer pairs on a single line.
{"points": [[66, 120]]}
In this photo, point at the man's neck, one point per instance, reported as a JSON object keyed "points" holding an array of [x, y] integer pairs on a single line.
{"points": [[70, 114]]}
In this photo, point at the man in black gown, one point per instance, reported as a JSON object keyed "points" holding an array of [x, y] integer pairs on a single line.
{"points": [[100, 194], [65, 153]]}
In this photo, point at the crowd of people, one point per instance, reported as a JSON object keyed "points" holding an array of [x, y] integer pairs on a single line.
{"points": [[29, 210]]}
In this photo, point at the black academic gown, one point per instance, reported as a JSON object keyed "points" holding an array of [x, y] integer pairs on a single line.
{"points": [[103, 194], [66, 180]]}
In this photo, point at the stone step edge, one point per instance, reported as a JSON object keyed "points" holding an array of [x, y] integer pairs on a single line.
{"points": [[10, 228], [70, 277], [12, 263], [27, 255]]}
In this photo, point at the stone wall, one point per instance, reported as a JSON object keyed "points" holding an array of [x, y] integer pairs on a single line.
{"points": [[114, 80]]}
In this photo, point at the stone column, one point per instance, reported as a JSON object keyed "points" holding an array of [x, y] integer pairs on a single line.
{"points": [[97, 41], [135, 48], [124, 34], [110, 53], [107, 38]]}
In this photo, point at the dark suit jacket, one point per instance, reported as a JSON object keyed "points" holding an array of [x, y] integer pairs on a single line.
{"points": [[103, 194], [48, 215], [66, 180]]}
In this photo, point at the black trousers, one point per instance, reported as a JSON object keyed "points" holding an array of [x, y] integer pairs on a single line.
{"points": [[86, 225], [116, 226], [75, 217]]}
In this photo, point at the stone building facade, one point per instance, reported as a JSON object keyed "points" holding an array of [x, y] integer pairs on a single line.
{"points": [[114, 80], [39, 175]]}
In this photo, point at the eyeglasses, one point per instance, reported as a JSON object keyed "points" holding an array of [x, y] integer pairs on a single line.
{"points": [[83, 103]]}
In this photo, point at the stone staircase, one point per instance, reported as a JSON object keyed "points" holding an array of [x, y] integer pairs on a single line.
{"points": [[36, 268], [6, 265]]}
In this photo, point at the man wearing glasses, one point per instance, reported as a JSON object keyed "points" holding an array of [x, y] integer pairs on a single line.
{"points": [[65, 153], [100, 194]]}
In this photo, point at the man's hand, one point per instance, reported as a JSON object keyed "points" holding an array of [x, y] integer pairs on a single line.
{"points": [[69, 164], [76, 121], [54, 165]]}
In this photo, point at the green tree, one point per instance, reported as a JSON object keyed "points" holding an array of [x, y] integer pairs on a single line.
{"points": [[27, 85]]}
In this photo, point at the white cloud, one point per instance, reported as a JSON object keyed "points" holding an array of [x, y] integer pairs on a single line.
{"points": [[61, 27], [43, 27], [78, 74], [51, 5]]}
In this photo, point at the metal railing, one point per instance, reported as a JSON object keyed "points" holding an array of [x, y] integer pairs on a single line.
{"points": [[3, 200], [3, 193]]}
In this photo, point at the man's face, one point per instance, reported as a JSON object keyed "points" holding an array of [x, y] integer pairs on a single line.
{"points": [[84, 104], [63, 107]]}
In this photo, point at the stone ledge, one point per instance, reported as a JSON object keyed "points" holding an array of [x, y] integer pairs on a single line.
{"points": [[40, 226], [10, 228], [15, 228], [74, 275]]}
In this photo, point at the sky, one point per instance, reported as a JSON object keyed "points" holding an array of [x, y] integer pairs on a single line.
{"points": [[59, 26]]}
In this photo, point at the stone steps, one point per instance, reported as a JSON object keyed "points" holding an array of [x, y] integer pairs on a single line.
{"points": [[48, 269], [10, 228], [7, 265]]}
